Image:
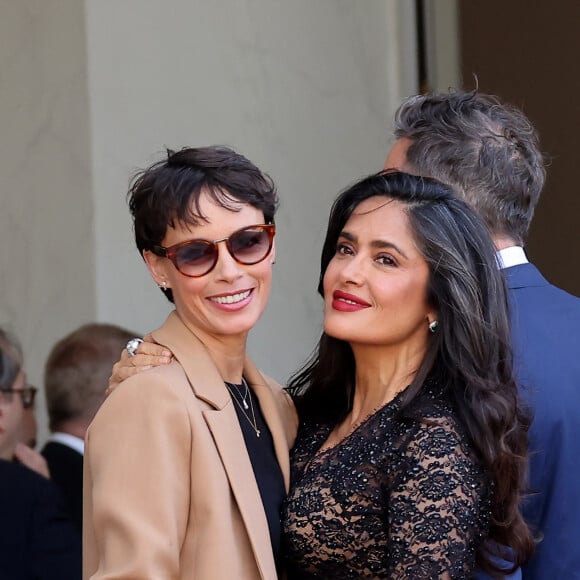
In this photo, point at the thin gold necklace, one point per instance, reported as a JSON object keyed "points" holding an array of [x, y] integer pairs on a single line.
{"points": [[243, 405]]}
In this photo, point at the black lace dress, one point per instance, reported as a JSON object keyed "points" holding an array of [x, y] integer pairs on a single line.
{"points": [[397, 499]]}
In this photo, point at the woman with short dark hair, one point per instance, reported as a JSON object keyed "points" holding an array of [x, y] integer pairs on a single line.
{"points": [[186, 465]]}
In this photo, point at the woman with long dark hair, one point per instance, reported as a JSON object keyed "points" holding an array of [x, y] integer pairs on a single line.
{"points": [[410, 458]]}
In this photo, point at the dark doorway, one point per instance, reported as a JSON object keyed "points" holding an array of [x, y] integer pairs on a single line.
{"points": [[528, 53]]}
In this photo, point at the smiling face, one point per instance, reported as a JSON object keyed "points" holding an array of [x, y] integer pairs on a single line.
{"points": [[375, 286], [229, 300]]}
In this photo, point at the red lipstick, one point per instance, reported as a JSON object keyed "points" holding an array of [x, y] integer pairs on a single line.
{"points": [[344, 302]]}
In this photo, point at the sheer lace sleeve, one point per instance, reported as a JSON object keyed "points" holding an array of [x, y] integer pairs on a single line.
{"points": [[434, 513]]}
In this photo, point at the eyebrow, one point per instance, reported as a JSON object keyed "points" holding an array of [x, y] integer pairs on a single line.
{"points": [[379, 244]]}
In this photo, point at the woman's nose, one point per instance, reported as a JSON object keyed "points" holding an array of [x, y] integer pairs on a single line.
{"points": [[227, 268], [353, 271]]}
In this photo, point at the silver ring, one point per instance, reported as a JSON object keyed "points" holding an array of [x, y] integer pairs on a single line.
{"points": [[132, 346]]}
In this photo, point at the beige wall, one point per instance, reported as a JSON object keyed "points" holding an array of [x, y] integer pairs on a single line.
{"points": [[305, 89], [47, 266]]}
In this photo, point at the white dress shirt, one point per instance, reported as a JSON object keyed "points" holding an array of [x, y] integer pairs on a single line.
{"points": [[69, 440], [512, 256]]}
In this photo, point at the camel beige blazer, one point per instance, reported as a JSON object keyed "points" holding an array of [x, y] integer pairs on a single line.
{"points": [[169, 490]]}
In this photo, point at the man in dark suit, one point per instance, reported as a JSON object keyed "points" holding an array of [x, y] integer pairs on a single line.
{"points": [[36, 538], [75, 379], [488, 152]]}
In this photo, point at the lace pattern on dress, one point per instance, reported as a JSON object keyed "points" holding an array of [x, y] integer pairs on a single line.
{"points": [[395, 499]]}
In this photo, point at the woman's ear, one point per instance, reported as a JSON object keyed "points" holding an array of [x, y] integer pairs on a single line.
{"points": [[272, 256], [157, 267]]}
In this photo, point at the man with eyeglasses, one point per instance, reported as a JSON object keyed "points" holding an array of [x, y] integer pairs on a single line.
{"points": [[17, 419], [36, 539], [27, 393]]}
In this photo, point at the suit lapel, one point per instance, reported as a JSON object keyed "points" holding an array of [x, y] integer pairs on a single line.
{"points": [[222, 421]]}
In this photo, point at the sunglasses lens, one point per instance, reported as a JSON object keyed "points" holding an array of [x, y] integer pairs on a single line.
{"points": [[195, 258], [251, 245]]}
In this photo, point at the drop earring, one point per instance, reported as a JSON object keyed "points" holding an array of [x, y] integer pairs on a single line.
{"points": [[163, 285]]}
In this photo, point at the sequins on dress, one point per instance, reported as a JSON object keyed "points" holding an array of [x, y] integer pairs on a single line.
{"points": [[397, 498]]}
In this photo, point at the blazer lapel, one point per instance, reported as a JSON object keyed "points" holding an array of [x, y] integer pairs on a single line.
{"points": [[200, 369], [223, 423], [230, 441]]}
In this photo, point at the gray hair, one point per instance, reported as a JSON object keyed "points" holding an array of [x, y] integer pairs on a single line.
{"points": [[487, 151]]}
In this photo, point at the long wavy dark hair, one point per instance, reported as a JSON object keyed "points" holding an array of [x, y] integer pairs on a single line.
{"points": [[470, 355]]}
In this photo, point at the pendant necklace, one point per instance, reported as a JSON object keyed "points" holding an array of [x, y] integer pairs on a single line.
{"points": [[242, 402]]}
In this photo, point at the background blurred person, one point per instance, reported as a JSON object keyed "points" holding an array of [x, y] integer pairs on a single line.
{"points": [[36, 538], [18, 427], [75, 377]]}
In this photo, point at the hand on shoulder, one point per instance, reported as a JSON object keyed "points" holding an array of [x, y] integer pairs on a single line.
{"points": [[148, 355]]}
